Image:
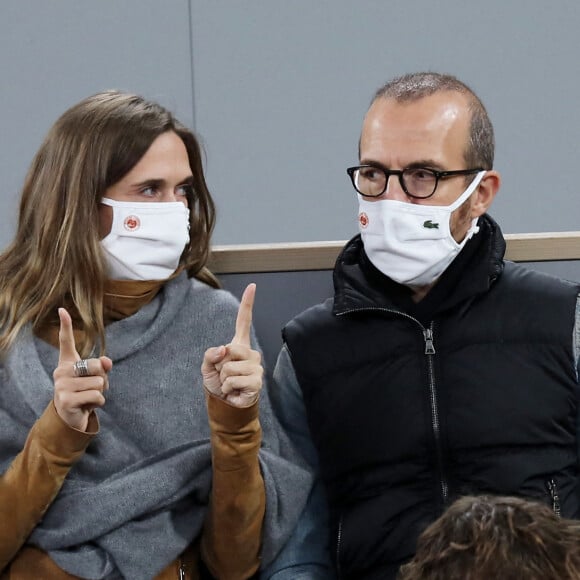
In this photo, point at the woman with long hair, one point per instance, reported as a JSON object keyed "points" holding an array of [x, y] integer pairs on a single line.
{"points": [[118, 457]]}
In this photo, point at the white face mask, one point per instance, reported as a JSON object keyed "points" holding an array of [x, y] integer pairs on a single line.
{"points": [[146, 239], [412, 243]]}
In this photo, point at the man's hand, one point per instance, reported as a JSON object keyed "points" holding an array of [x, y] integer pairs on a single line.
{"points": [[233, 372], [76, 396]]}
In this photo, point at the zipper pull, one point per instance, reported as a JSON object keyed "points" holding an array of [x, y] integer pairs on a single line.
{"points": [[553, 489], [181, 571], [428, 335]]}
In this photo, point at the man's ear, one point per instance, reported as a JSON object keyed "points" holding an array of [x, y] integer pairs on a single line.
{"points": [[485, 193]]}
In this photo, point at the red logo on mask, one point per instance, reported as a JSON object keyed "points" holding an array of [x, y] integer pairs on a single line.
{"points": [[132, 223], [363, 219]]}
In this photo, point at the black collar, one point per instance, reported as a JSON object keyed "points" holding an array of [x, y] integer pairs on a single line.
{"points": [[359, 285]]}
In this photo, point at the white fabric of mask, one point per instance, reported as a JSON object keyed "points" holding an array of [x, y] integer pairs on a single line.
{"points": [[146, 239], [412, 243]]}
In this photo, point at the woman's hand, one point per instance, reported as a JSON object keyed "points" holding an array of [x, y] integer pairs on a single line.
{"points": [[234, 372], [75, 396]]}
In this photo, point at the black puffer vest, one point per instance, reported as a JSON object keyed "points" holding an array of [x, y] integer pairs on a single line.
{"points": [[407, 416]]}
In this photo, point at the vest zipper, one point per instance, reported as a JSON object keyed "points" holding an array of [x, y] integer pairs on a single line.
{"points": [[338, 542], [429, 353], [554, 495]]}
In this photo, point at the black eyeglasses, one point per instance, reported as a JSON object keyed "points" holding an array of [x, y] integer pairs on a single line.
{"points": [[419, 182]]}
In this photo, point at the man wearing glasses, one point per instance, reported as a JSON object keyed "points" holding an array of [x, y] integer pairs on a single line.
{"points": [[437, 369]]}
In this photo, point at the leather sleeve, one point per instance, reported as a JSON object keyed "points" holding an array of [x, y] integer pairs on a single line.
{"points": [[35, 477], [231, 538]]}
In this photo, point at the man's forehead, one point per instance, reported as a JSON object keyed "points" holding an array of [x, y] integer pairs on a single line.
{"points": [[440, 107], [435, 126]]}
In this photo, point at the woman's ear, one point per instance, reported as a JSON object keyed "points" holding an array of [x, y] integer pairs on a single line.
{"points": [[485, 193]]}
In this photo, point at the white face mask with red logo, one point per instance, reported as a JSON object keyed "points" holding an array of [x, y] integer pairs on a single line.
{"points": [[146, 239], [412, 243]]}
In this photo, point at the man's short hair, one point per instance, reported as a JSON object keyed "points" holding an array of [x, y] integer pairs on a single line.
{"points": [[410, 87], [479, 538]]}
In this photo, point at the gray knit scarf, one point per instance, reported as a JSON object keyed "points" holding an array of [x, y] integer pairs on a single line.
{"points": [[138, 496]]}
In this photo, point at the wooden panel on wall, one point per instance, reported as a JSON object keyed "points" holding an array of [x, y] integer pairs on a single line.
{"points": [[550, 246]]}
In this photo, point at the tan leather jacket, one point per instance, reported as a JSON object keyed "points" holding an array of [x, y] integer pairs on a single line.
{"points": [[237, 501]]}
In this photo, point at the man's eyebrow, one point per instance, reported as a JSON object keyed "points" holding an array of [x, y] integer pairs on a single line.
{"points": [[372, 162], [426, 163]]}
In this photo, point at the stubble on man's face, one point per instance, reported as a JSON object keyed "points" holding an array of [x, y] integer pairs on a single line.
{"points": [[461, 221]]}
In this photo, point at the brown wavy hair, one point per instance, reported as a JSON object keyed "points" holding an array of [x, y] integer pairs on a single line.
{"points": [[56, 254], [480, 538]]}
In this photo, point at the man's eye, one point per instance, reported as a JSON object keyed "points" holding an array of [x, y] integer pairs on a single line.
{"points": [[420, 174], [371, 173]]}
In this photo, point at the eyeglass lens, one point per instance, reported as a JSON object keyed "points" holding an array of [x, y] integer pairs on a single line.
{"points": [[372, 181]]}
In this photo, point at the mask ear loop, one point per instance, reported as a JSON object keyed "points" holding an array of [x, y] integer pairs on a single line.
{"points": [[468, 192], [474, 229]]}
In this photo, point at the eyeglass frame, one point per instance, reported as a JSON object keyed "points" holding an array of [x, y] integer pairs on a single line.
{"points": [[399, 172]]}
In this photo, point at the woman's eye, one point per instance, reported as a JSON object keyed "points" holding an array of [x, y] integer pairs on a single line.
{"points": [[185, 190], [149, 191]]}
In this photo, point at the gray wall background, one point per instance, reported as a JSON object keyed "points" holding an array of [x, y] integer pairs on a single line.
{"points": [[277, 91]]}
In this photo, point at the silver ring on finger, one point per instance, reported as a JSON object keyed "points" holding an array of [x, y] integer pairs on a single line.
{"points": [[81, 368]]}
